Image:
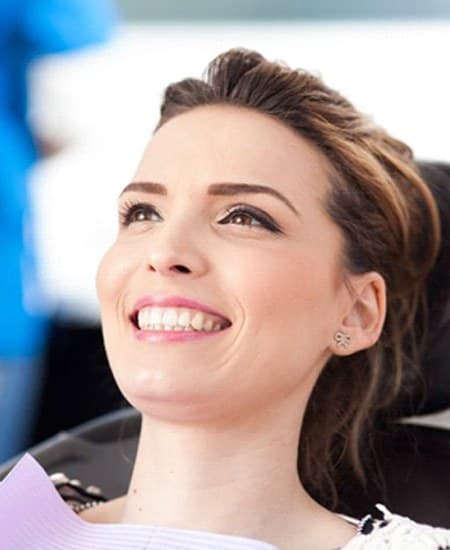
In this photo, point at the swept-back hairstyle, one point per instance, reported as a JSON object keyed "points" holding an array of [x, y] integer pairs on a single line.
{"points": [[390, 224]]}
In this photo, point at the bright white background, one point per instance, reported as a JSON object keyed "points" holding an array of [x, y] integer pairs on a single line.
{"points": [[102, 105]]}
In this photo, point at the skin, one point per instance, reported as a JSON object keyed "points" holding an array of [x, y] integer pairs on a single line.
{"points": [[222, 415]]}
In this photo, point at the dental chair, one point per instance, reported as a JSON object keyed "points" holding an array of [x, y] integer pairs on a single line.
{"points": [[413, 455]]}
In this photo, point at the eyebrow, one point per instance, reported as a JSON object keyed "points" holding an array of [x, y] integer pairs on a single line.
{"points": [[215, 189]]}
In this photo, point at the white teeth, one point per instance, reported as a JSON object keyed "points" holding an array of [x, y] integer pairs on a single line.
{"points": [[157, 318], [197, 321], [184, 319], [208, 325], [170, 317], [143, 317]]}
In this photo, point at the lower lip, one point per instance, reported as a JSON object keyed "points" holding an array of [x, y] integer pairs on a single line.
{"points": [[173, 335]]}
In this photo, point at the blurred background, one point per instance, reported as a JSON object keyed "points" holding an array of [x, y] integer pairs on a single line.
{"points": [[80, 87]]}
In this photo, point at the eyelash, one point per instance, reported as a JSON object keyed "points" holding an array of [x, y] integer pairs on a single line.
{"points": [[130, 209]]}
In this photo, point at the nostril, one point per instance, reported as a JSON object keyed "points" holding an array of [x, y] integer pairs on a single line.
{"points": [[181, 268], [176, 267]]}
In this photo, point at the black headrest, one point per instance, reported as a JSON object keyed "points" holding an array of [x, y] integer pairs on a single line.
{"points": [[436, 359]]}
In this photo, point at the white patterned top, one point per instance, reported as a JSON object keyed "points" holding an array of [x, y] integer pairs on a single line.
{"points": [[394, 532]]}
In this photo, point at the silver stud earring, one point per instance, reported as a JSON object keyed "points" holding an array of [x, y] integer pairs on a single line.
{"points": [[342, 339]]}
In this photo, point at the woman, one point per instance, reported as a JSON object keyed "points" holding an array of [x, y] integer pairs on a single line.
{"points": [[263, 289]]}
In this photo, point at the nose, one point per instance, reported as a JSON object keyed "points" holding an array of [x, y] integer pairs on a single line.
{"points": [[176, 253]]}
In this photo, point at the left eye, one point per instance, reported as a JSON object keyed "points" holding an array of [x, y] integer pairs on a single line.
{"points": [[241, 218], [250, 218]]}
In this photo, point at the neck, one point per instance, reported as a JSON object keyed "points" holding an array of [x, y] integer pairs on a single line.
{"points": [[241, 480]]}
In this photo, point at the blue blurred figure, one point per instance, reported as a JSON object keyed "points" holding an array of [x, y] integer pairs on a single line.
{"points": [[28, 29]]}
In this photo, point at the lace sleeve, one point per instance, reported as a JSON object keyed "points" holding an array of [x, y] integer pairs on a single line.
{"points": [[396, 532], [74, 494]]}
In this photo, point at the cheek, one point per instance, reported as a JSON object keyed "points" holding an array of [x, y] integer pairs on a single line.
{"points": [[112, 282], [287, 305], [111, 277], [282, 286], [281, 341], [105, 278]]}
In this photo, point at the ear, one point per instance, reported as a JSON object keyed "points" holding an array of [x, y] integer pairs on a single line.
{"points": [[364, 318]]}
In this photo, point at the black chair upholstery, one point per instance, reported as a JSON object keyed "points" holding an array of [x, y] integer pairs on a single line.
{"points": [[414, 460], [436, 361], [100, 452]]}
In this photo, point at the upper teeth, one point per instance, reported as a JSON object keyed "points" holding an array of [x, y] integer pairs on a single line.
{"points": [[171, 318]]}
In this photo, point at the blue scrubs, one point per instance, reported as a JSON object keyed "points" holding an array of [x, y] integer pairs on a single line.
{"points": [[28, 29]]}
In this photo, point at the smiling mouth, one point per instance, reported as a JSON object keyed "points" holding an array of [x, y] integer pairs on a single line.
{"points": [[179, 319]]}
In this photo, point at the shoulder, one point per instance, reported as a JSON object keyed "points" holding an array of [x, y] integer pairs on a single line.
{"points": [[394, 532]]}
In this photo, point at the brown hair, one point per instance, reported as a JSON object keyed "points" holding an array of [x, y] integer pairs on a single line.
{"points": [[390, 223]]}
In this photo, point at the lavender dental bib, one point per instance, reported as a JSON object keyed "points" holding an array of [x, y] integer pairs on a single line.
{"points": [[34, 516]]}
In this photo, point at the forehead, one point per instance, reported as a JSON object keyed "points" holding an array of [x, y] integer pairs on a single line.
{"points": [[229, 143]]}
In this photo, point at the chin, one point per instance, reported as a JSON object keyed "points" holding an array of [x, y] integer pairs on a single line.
{"points": [[175, 407]]}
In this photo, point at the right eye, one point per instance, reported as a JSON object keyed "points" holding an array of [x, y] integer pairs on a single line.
{"points": [[137, 212]]}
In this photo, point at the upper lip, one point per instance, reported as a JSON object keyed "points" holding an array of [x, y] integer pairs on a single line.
{"points": [[175, 301]]}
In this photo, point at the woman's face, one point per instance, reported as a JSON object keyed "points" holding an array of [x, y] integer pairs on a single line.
{"points": [[235, 224]]}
